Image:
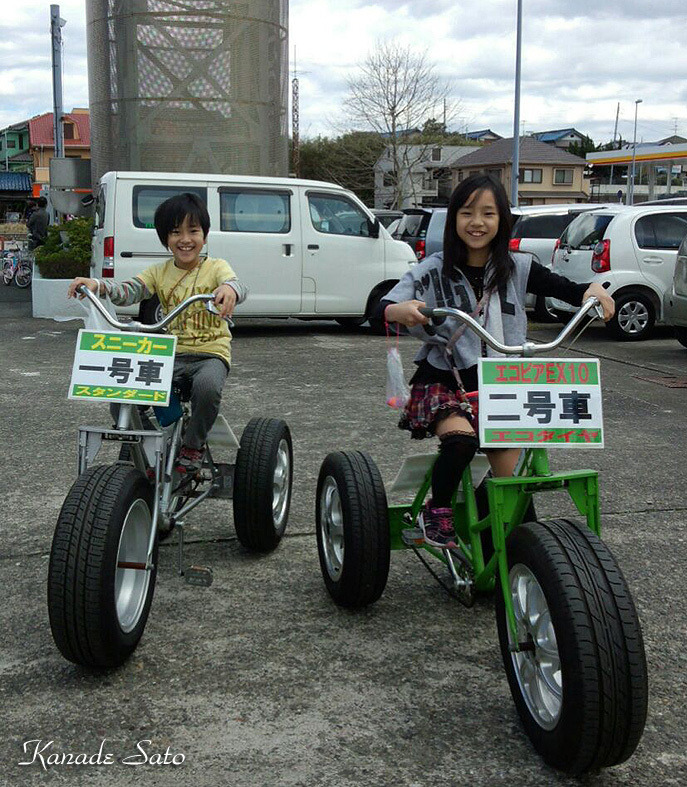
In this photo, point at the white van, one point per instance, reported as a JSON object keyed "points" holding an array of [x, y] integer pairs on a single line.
{"points": [[304, 248]]}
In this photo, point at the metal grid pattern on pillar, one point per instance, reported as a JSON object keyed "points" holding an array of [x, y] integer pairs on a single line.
{"points": [[188, 86]]}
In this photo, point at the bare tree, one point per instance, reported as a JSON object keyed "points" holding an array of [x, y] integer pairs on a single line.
{"points": [[394, 93]]}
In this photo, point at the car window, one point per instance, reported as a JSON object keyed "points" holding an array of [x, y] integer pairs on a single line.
{"points": [[248, 210], [337, 216], [585, 231], [544, 226], [661, 230], [100, 202], [147, 198], [435, 229], [411, 225]]}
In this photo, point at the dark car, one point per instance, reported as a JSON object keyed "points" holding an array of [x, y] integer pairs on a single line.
{"points": [[387, 216], [413, 227]]}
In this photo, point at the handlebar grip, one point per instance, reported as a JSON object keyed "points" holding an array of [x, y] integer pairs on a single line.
{"points": [[426, 311]]}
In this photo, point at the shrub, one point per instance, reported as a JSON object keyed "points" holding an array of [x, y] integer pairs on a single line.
{"points": [[58, 259]]}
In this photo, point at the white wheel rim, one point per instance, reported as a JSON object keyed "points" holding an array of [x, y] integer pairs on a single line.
{"points": [[633, 317], [131, 584], [281, 483], [331, 527], [538, 672]]}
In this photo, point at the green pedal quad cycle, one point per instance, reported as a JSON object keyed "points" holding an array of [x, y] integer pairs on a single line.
{"points": [[569, 634], [104, 554]]}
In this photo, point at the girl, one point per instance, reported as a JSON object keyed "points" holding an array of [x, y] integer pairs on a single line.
{"points": [[477, 274]]}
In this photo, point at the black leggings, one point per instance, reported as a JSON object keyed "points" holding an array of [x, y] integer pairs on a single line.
{"points": [[456, 450]]}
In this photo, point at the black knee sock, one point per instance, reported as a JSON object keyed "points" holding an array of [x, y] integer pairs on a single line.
{"points": [[455, 454]]}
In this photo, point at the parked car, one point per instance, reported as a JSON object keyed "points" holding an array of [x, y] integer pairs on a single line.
{"points": [[412, 228], [675, 299], [305, 249], [387, 216], [536, 228], [633, 250]]}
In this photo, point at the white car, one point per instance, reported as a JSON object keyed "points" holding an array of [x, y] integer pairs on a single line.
{"points": [[675, 301], [631, 250]]}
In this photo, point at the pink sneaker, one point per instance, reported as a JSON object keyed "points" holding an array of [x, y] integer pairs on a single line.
{"points": [[189, 461], [437, 526]]}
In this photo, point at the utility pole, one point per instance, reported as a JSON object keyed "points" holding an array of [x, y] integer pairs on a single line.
{"points": [[631, 195], [295, 120], [615, 132], [56, 25], [515, 168]]}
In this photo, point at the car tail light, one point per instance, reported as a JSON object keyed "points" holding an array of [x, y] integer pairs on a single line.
{"points": [[108, 257], [556, 246], [514, 244], [601, 256], [420, 249]]}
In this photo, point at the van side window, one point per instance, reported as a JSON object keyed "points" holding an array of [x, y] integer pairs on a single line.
{"points": [[661, 231], [337, 216], [147, 198], [252, 210]]}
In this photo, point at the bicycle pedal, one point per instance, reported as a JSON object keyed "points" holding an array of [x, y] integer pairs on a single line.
{"points": [[413, 536], [200, 576]]}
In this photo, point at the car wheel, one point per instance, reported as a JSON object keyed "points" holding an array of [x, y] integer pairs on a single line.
{"points": [[350, 323], [634, 317], [681, 335], [376, 325]]}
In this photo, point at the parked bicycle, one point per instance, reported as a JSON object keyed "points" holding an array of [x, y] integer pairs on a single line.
{"points": [[17, 266]]}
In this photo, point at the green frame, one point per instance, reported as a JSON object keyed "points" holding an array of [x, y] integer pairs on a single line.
{"points": [[508, 500]]}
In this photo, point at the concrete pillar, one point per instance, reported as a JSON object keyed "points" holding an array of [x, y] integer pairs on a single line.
{"points": [[652, 180], [669, 178]]}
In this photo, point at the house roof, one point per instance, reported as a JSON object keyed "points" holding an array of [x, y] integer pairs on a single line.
{"points": [[532, 151], [15, 181], [41, 131], [482, 133], [552, 136]]}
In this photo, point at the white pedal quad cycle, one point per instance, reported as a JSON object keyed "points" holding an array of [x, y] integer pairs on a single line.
{"points": [[570, 637], [104, 555]]}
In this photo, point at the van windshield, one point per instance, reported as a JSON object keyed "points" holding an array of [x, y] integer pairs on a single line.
{"points": [[586, 231]]}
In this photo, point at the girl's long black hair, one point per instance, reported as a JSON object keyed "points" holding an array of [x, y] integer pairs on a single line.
{"points": [[455, 250]]}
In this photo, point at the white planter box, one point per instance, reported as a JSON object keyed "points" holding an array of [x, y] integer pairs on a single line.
{"points": [[49, 297]]}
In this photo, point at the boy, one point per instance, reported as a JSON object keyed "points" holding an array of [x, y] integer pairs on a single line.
{"points": [[203, 340]]}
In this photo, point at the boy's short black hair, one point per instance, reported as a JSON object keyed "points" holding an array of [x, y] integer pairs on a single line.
{"points": [[41, 202], [172, 212]]}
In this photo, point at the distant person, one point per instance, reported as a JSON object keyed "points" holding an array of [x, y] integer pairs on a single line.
{"points": [[38, 224]]}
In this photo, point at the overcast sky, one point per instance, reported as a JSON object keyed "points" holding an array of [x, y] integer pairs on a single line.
{"points": [[580, 58]]}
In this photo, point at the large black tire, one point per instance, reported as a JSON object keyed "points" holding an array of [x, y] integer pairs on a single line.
{"points": [[583, 695], [377, 326], [350, 323], [23, 275], [681, 335], [150, 311], [97, 610], [352, 528], [262, 484], [634, 318]]}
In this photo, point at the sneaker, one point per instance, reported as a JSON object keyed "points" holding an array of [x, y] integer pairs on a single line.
{"points": [[437, 526], [189, 461]]}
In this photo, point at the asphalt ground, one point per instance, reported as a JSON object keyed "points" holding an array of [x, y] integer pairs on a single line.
{"points": [[260, 679]]}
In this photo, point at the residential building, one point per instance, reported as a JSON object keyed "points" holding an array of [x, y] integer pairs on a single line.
{"points": [[417, 175], [77, 141], [484, 136], [548, 175], [14, 149], [560, 138]]}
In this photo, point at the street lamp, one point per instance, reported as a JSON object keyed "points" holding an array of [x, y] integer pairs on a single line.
{"points": [[631, 194], [515, 167]]}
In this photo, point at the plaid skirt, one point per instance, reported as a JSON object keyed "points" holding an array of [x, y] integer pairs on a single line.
{"points": [[431, 403]]}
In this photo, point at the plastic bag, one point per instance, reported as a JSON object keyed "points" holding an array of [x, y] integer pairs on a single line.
{"points": [[397, 390], [83, 309]]}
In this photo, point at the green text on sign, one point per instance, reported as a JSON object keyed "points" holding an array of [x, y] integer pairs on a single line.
{"points": [[133, 344], [118, 393], [543, 373]]}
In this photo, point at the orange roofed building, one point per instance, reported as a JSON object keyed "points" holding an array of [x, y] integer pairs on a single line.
{"points": [[77, 141]]}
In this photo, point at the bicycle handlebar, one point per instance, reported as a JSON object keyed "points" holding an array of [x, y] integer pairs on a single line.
{"points": [[528, 348], [158, 327]]}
